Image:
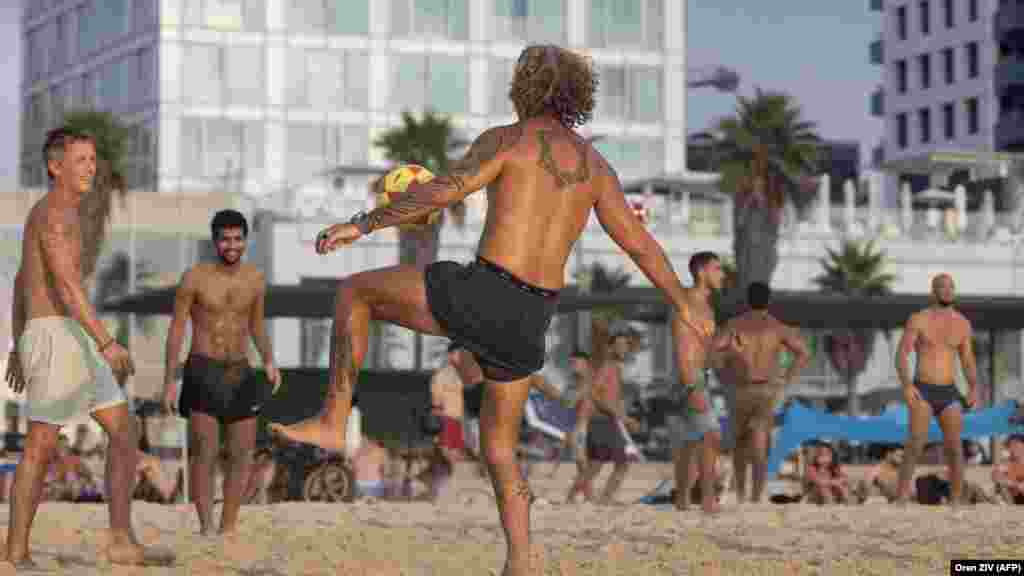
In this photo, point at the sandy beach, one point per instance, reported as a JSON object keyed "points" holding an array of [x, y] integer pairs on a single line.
{"points": [[461, 535]]}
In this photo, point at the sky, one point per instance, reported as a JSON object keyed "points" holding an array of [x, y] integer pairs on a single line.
{"points": [[816, 50]]}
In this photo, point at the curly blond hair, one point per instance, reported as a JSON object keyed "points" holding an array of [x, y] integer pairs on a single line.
{"points": [[552, 80]]}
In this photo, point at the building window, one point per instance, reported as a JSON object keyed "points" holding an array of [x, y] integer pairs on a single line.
{"points": [[430, 18], [949, 121], [901, 22], [224, 75], [901, 76], [924, 9], [228, 15], [327, 79], [950, 14], [633, 157], [314, 148], [436, 81], [924, 125], [901, 130], [632, 93], [924, 64], [331, 17], [221, 150], [972, 10], [529, 20], [626, 23], [972, 60], [973, 121], [948, 64]]}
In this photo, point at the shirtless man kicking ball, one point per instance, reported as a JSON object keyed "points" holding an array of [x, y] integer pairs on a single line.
{"points": [[543, 181]]}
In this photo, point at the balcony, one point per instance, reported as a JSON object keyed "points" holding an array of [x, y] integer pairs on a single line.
{"points": [[1009, 130], [876, 52], [1009, 18], [876, 6], [878, 103], [1009, 72]]}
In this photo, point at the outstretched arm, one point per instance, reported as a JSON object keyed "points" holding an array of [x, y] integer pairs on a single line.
{"points": [[630, 234], [479, 167]]}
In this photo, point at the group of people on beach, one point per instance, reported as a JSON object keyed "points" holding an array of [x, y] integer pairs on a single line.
{"points": [[544, 182]]}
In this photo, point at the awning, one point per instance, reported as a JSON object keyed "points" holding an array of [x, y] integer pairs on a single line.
{"points": [[801, 308]]}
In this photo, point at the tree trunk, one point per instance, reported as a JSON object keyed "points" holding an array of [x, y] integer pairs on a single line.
{"points": [[755, 246]]}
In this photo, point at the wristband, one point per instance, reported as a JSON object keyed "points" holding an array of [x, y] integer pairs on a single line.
{"points": [[361, 220]]}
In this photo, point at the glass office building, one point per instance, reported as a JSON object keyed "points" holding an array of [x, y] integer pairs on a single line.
{"points": [[262, 95]]}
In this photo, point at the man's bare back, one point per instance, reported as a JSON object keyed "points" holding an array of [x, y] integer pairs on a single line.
{"points": [[550, 179], [762, 337], [221, 309], [38, 283]]}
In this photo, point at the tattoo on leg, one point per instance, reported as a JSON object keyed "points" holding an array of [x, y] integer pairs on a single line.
{"points": [[344, 366]]}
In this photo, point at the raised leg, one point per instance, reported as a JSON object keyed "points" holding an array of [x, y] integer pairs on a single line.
{"points": [[397, 295], [500, 419], [241, 443], [920, 417], [40, 447], [951, 422]]}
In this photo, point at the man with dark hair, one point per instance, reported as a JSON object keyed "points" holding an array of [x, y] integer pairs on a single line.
{"points": [[938, 336], [224, 301], [697, 346], [65, 359], [757, 384], [543, 182]]}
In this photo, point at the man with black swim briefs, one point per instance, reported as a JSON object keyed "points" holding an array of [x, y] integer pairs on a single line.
{"points": [[938, 335], [224, 301], [543, 182]]}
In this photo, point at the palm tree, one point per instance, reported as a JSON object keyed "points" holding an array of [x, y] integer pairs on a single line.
{"points": [[765, 149], [111, 143], [856, 269], [427, 142]]}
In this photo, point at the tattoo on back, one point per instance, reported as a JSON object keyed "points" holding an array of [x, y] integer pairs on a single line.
{"points": [[564, 178], [483, 150]]}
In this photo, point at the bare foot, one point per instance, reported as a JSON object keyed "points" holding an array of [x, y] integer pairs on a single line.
{"points": [[132, 554], [711, 507], [316, 431]]}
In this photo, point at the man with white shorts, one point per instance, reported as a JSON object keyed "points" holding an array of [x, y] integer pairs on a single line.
{"points": [[65, 359]]}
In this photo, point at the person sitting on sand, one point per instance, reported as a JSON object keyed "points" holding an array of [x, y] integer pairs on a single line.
{"points": [[1008, 478], [824, 479], [883, 478]]}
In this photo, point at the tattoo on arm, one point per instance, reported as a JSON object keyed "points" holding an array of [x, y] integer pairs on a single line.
{"points": [[460, 180], [547, 161]]}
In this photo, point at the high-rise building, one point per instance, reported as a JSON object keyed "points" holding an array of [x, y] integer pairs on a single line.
{"points": [[262, 95], [941, 76]]}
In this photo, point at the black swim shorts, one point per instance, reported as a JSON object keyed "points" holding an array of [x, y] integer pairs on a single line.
{"points": [[491, 313], [227, 391]]}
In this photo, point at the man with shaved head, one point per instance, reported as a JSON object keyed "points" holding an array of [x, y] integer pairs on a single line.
{"points": [[938, 335]]}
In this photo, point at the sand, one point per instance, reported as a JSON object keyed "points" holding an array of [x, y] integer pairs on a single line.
{"points": [[461, 535]]}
